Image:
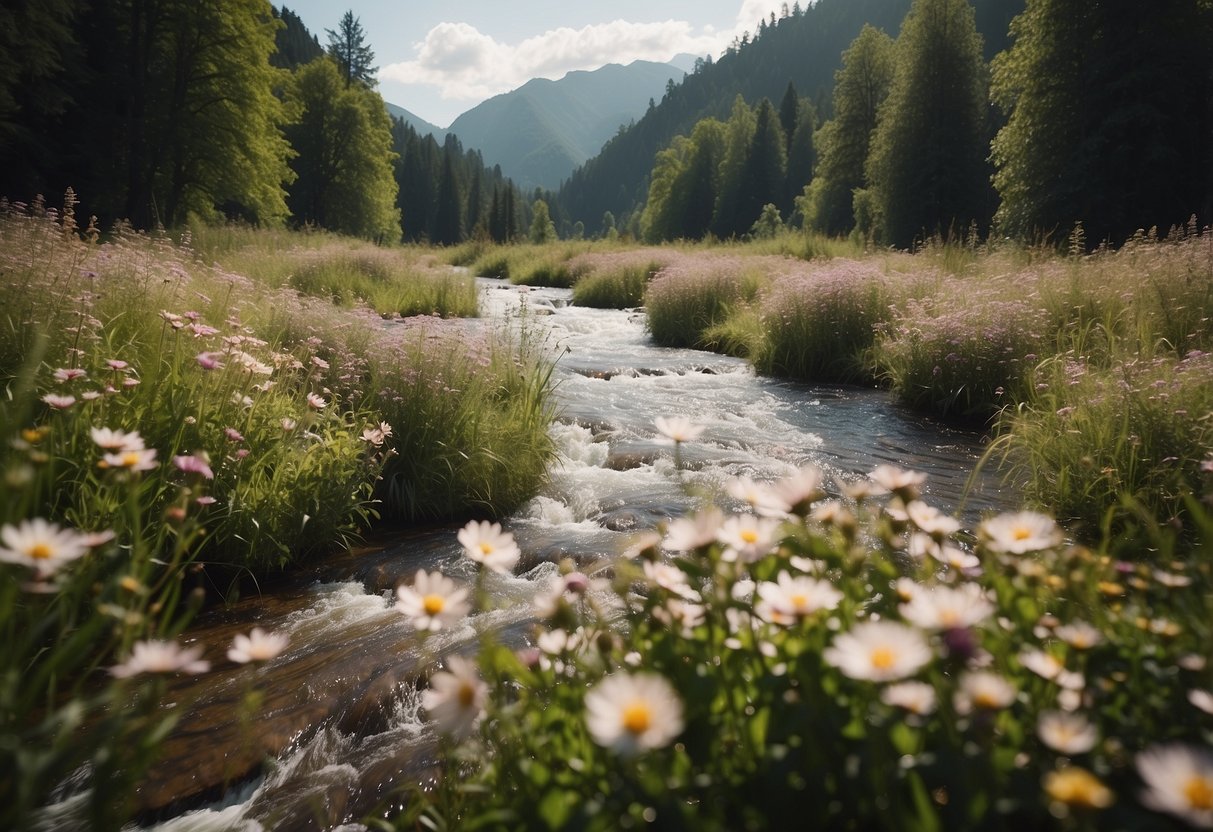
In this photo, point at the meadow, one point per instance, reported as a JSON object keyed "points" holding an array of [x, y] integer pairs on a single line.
{"points": [[185, 415]]}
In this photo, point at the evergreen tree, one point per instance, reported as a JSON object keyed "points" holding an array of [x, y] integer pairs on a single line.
{"points": [[802, 155], [860, 87], [927, 169], [448, 225], [543, 230], [348, 47], [1109, 117], [659, 221], [475, 201], [789, 114], [766, 165], [296, 45], [729, 219], [343, 138]]}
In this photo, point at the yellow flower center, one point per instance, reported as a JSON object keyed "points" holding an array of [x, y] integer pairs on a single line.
{"points": [[986, 699], [883, 658], [467, 695], [1021, 533], [799, 600], [130, 459], [1199, 792], [948, 618], [486, 548], [433, 604], [41, 551], [1078, 787], [637, 717], [749, 536]]}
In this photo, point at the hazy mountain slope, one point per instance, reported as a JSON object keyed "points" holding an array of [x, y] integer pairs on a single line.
{"points": [[805, 49], [419, 124], [541, 131]]}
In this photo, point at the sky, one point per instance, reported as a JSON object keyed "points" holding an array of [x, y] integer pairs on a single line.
{"points": [[440, 59]]}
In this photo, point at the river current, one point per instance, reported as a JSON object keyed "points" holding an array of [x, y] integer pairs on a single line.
{"points": [[338, 728]]}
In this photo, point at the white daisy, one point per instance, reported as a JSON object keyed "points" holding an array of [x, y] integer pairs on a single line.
{"points": [[788, 600], [687, 533], [1079, 634], [1179, 781], [1066, 732], [915, 697], [1020, 532], [904, 484], [629, 713], [456, 697], [488, 545], [879, 651], [931, 520], [678, 428], [947, 608], [117, 441], [257, 646], [985, 691], [432, 602], [747, 537], [155, 656], [41, 545]]}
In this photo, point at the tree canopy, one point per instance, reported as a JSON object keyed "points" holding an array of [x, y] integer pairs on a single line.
{"points": [[348, 47]]}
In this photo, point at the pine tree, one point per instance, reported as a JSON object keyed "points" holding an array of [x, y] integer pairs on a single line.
{"points": [[728, 220], [927, 168], [802, 155], [766, 165], [448, 225], [348, 47], [860, 87], [1109, 117], [543, 230]]}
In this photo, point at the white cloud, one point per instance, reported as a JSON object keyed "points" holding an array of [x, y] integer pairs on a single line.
{"points": [[466, 64]]}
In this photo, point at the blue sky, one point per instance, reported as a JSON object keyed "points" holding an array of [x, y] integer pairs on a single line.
{"points": [[439, 59]]}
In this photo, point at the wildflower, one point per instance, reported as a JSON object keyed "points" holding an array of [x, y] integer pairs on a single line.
{"points": [[209, 360], [116, 364], [257, 646], [456, 697], [1020, 532], [1202, 699], [316, 402], [1078, 788], [685, 614], [879, 651], [984, 690], [138, 460], [131, 382], [117, 441], [687, 533], [794, 494], [747, 491], [669, 578], [488, 545], [1179, 781], [1067, 733], [155, 656], [931, 520], [945, 608], [904, 484], [233, 435], [789, 599], [1079, 634], [629, 713], [915, 697], [66, 374], [41, 545], [747, 537], [432, 602], [289, 425], [59, 402], [194, 464], [678, 428], [1171, 580], [1041, 663]]}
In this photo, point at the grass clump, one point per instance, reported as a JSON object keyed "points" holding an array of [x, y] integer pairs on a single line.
{"points": [[616, 280], [694, 295], [820, 322]]}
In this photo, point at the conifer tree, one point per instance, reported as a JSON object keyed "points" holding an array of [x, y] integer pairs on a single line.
{"points": [[1109, 117], [927, 168], [860, 86], [728, 219], [348, 47], [448, 225], [543, 230]]}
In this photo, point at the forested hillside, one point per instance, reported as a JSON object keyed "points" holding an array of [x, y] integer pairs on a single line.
{"points": [[803, 47]]}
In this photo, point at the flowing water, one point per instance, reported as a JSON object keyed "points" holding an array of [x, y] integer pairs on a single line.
{"points": [[337, 728]]}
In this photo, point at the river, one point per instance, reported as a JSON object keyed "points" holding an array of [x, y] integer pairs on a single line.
{"points": [[337, 727]]}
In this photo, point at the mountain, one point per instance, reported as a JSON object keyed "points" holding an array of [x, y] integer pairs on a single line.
{"points": [[541, 131], [804, 47], [419, 124]]}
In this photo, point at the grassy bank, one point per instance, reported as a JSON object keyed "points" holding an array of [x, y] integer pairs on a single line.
{"points": [[180, 414]]}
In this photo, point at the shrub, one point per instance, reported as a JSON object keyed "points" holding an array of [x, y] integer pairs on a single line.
{"points": [[819, 322]]}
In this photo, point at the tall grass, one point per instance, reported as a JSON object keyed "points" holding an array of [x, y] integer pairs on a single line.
{"points": [[194, 424], [820, 321], [616, 280], [694, 295]]}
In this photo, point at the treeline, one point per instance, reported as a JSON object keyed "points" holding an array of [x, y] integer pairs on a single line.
{"points": [[156, 111], [1097, 116], [800, 45]]}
